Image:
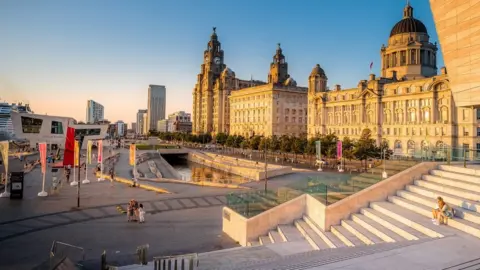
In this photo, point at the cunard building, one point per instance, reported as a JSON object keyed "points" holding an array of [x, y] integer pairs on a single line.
{"points": [[410, 106]]}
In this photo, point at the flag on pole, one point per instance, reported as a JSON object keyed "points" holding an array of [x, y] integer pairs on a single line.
{"points": [[371, 66], [89, 152], [132, 154], [339, 150], [99, 151], [4, 152], [77, 150], [42, 148]]}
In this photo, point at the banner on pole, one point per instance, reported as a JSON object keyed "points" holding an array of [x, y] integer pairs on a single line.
{"points": [[89, 152], [42, 148], [318, 148], [69, 147], [4, 152], [339, 149], [77, 150], [99, 151], [132, 154]]}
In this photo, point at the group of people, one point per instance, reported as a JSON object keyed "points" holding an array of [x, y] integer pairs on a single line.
{"points": [[135, 212]]}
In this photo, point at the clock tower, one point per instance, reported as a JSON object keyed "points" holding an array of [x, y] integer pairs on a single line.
{"points": [[213, 55]]}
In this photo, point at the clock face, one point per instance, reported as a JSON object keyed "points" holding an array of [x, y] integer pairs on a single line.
{"points": [[217, 60]]}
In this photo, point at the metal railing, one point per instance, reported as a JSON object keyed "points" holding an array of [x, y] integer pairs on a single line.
{"points": [[179, 262], [61, 251]]}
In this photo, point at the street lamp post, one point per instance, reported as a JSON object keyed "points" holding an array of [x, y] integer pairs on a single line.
{"points": [[78, 175], [266, 165], [384, 173]]}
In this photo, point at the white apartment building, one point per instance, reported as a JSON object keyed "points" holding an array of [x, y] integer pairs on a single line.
{"points": [[95, 112], [141, 117]]}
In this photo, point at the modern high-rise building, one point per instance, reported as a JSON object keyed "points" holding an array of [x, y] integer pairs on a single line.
{"points": [[140, 126], [134, 126], [95, 112], [156, 105]]}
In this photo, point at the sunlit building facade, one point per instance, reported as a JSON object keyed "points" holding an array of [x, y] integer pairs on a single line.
{"points": [[409, 107]]}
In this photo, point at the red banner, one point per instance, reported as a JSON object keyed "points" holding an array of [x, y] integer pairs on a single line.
{"points": [[99, 151], [42, 148], [68, 155]]}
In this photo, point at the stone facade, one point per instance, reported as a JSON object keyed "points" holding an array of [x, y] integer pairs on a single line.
{"points": [[215, 83], [458, 28], [412, 109], [276, 108]]}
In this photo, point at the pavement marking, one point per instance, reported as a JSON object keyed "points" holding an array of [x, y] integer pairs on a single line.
{"points": [[174, 204], [188, 203], [223, 199], [162, 206], [121, 210], [213, 201], [200, 202]]}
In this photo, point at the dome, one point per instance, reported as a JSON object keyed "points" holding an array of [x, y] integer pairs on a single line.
{"points": [[408, 24], [317, 70]]}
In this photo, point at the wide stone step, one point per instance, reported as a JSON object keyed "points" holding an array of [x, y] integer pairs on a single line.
{"points": [[432, 203], [400, 228], [275, 236], [457, 223], [264, 240], [450, 198], [377, 229], [471, 195], [452, 182], [411, 219], [328, 237], [346, 236], [458, 169], [310, 235], [253, 244], [289, 233], [363, 234], [457, 175]]}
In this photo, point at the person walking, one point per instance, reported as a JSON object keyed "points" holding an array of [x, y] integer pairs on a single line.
{"points": [[141, 214]]}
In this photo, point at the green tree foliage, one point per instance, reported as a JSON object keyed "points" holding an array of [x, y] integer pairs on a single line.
{"points": [[285, 144], [365, 147], [221, 138]]}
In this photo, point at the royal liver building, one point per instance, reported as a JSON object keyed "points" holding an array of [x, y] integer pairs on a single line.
{"points": [[410, 106], [215, 82]]}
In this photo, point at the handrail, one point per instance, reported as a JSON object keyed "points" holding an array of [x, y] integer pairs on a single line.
{"points": [[187, 262]]}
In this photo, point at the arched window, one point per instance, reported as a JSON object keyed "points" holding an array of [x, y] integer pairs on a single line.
{"points": [[398, 144], [444, 114], [426, 115]]}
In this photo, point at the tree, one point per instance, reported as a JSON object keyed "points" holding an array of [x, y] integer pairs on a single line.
{"points": [[297, 146], [230, 142], [348, 148], [254, 142], [274, 144], [365, 147], [221, 138], [285, 144], [384, 149]]}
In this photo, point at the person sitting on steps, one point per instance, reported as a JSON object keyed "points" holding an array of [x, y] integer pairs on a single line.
{"points": [[442, 212]]}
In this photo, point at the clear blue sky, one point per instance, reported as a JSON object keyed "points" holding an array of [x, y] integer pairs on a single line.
{"points": [[58, 54]]}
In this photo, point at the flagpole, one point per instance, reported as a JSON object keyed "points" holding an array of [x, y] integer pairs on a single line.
{"points": [[75, 156], [43, 159], [100, 156], [87, 160]]}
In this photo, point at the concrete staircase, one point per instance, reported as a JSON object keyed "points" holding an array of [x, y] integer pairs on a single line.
{"points": [[403, 217]]}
